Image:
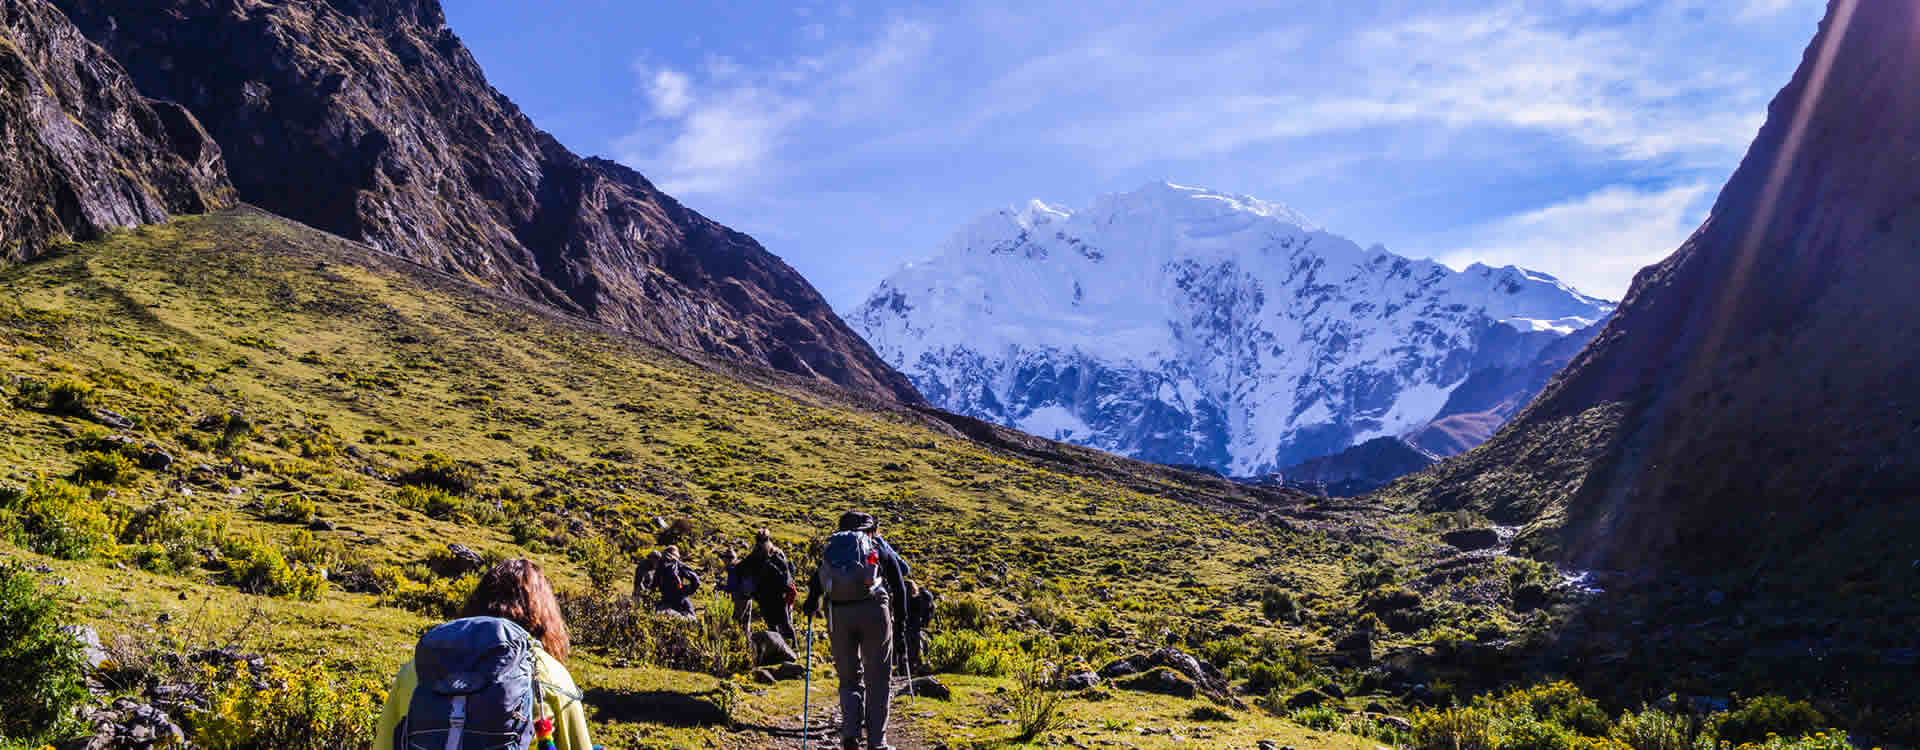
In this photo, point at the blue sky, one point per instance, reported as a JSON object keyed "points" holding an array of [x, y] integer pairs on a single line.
{"points": [[1584, 138]]}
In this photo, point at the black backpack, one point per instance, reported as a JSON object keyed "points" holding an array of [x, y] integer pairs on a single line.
{"points": [[477, 688]]}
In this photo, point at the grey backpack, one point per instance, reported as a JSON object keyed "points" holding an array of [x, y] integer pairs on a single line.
{"points": [[477, 688], [850, 567]]}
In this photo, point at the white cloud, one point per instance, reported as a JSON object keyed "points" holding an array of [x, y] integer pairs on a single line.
{"points": [[729, 138], [1595, 242], [670, 92]]}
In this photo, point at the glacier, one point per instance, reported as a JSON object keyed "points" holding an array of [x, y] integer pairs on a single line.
{"points": [[1190, 326]]}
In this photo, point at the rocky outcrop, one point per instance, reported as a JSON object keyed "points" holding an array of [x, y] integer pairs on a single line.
{"points": [[1763, 378], [84, 152], [369, 119], [1358, 470]]}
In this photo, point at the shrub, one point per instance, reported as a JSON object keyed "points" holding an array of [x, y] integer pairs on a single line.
{"points": [[110, 468], [56, 518], [290, 509], [1651, 729], [1767, 715], [962, 613], [298, 708], [433, 501], [259, 568], [168, 539], [1559, 702], [1278, 605], [606, 566], [1034, 705], [712, 643], [440, 472], [975, 653], [434, 597], [70, 397], [42, 670], [1454, 729]]}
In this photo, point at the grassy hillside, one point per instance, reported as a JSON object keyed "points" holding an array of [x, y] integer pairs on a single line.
{"points": [[334, 418]]}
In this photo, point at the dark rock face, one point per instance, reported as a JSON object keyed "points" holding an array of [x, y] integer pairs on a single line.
{"points": [[1360, 469], [1762, 376], [369, 119], [85, 153]]}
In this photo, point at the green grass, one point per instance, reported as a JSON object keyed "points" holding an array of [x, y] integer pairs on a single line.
{"points": [[293, 376]]}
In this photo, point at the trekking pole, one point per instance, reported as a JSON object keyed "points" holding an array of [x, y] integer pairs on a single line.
{"points": [[806, 697]]}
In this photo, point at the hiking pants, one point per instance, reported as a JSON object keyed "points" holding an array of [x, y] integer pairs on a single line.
{"points": [[862, 638], [775, 616], [742, 609]]}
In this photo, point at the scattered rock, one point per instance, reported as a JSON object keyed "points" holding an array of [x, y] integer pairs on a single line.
{"points": [[89, 643], [1160, 680], [1307, 698], [111, 419], [155, 458], [792, 670], [1079, 681], [770, 648], [928, 687], [1397, 723], [764, 676], [320, 524], [461, 560], [1472, 540], [128, 723]]}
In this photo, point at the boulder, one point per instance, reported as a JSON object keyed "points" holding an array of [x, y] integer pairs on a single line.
{"points": [[769, 648], [89, 644], [1307, 698], [764, 676], [155, 458], [1472, 540], [928, 687], [1118, 668], [461, 560], [1160, 680], [1079, 681], [792, 670]]}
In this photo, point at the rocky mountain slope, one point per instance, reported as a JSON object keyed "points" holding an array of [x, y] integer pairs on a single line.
{"points": [[1767, 365], [83, 151], [1187, 326], [368, 118]]}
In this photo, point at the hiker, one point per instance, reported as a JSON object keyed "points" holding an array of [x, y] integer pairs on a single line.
{"points": [[860, 577], [643, 578], [676, 583], [920, 601], [512, 610], [737, 585], [772, 578]]}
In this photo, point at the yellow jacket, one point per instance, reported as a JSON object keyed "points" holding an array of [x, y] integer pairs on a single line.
{"points": [[563, 704]]}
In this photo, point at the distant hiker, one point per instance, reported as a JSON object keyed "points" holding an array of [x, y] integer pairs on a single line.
{"points": [[859, 576], [511, 639], [675, 583], [643, 578], [920, 601], [737, 585], [770, 574]]}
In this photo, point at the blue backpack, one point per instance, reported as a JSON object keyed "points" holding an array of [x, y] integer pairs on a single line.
{"points": [[850, 567], [477, 688]]}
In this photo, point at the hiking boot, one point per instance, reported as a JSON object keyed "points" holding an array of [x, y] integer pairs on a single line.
{"points": [[849, 744]]}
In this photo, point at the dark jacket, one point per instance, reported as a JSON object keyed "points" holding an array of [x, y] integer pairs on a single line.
{"points": [[893, 568], [768, 574], [676, 582], [920, 609]]}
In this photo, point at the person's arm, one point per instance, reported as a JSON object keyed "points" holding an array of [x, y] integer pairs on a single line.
{"points": [[693, 583], [813, 594], [396, 708], [563, 704]]}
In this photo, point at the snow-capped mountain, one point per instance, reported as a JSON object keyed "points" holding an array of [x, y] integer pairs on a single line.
{"points": [[1182, 325]]}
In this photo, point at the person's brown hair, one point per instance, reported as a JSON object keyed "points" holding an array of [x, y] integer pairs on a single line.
{"points": [[516, 590], [764, 540]]}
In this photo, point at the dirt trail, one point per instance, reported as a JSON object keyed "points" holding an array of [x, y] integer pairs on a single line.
{"points": [[824, 725]]}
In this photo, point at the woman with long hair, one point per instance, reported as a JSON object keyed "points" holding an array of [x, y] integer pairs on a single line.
{"points": [[518, 591]]}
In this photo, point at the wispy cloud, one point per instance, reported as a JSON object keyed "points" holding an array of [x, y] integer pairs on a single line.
{"points": [[718, 130], [1596, 241], [1506, 131]]}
